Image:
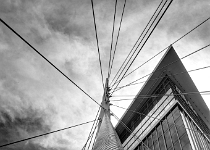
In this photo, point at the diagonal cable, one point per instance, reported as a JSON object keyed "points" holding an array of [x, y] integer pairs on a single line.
{"points": [[47, 60], [140, 43], [177, 60], [89, 136], [167, 47], [99, 56], [109, 69], [144, 43], [134, 134], [160, 95], [136, 42], [183, 72], [44, 134], [118, 34], [151, 117]]}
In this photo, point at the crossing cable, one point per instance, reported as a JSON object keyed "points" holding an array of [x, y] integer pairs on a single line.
{"points": [[47, 60], [167, 47], [118, 33], [160, 95], [150, 116], [99, 56], [177, 60], [110, 55], [89, 136], [143, 43], [136, 42], [92, 135], [164, 76], [134, 135], [94, 139], [44, 134]]}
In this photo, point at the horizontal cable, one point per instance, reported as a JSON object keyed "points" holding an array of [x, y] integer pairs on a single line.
{"points": [[166, 47], [159, 95], [143, 44], [47, 60], [177, 60], [135, 44], [45, 134], [140, 141], [152, 117], [164, 76], [121, 99]]}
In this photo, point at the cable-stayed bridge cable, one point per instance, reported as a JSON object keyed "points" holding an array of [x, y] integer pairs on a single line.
{"points": [[118, 33], [99, 56], [136, 42], [128, 129], [4, 145], [197, 69], [144, 43], [47, 60], [89, 136], [160, 95], [150, 116], [166, 65], [139, 45], [110, 55], [167, 47]]}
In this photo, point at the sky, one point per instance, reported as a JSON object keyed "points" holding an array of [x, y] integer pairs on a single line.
{"points": [[35, 98]]}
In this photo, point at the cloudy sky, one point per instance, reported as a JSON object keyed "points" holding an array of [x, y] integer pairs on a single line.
{"points": [[35, 98]]}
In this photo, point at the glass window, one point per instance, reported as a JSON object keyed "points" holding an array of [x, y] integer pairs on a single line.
{"points": [[165, 125], [181, 130], [172, 129], [174, 137], [156, 147], [159, 132], [176, 113], [154, 135], [187, 147], [179, 122], [161, 143], [170, 120], [168, 139], [150, 141], [184, 140], [177, 146]]}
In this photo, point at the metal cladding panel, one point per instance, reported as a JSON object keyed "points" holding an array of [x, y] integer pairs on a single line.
{"points": [[107, 138]]}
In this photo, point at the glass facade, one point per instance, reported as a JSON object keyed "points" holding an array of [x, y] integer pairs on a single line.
{"points": [[199, 139], [169, 134], [180, 127], [162, 88]]}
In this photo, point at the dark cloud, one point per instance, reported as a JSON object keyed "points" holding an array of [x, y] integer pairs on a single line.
{"points": [[21, 125]]}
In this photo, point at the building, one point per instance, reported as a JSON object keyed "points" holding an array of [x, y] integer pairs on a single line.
{"points": [[171, 119]]}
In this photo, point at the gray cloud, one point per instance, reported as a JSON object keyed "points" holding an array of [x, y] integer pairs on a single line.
{"points": [[36, 98]]}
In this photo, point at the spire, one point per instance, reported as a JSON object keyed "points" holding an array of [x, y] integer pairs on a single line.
{"points": [[107, 138]]}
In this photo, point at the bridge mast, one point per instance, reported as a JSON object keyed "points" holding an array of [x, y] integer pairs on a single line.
{"points": [[107, 138]]}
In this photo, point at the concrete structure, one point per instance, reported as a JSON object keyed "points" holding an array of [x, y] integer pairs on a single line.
{"points": [[170, 120]]}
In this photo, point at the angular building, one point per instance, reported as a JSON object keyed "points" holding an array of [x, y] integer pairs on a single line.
{"points": [[173, 117]]}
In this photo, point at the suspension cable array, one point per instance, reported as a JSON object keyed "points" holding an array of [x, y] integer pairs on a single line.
{"points": [[146, 36], [121, 73], [133, 82]]}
